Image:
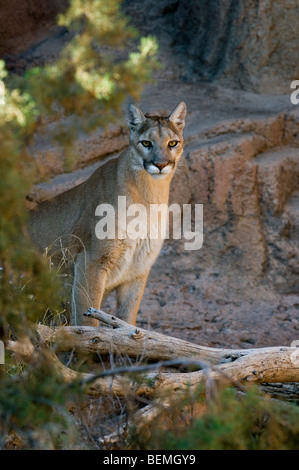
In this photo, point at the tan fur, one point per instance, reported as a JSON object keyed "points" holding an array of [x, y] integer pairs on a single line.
{"points": [[66, 223]]}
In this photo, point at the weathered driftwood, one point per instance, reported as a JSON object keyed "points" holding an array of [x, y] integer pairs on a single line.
{"points": [[29, 354], [263, 365], [284, 391], [118, 337], [114, 336], [259, 366], [23, 348], [142, 417], [276, 369]]}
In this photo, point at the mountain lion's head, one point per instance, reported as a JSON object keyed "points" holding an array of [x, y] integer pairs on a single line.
{"points": [[157, 142]]}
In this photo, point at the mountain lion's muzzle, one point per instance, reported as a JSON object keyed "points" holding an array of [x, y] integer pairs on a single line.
{"points": [[159, 169]]}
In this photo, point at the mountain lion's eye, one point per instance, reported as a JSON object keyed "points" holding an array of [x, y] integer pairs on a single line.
{"points": [[172, 143], [146, 143]]}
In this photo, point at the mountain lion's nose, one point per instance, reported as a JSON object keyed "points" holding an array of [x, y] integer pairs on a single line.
{"points": [[160, 165]]}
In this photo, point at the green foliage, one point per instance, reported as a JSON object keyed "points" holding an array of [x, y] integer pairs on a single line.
{"points": [[34, 402], [231, 422], [94, 74], [24, 275], [83, 89]]}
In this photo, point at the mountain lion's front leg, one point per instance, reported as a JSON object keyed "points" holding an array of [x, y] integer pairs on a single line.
{"points": [[128, 297], [88, 289]]}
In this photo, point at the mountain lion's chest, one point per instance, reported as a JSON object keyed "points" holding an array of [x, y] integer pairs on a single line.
{"points": [[135, 259]]}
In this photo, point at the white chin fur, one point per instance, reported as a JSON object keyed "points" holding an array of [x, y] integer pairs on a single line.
{"points": [[157, 174]]}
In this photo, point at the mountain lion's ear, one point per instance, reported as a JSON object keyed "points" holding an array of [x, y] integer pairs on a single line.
{"points": [[135, 115], [178, 115]]}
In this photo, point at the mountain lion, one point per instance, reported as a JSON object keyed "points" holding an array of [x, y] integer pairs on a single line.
{"points": [[64, 226]]}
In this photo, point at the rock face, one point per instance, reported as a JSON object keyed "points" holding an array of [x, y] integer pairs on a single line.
{"points": [[241, 160], [28, 32], [253, 44], [247, 178]]}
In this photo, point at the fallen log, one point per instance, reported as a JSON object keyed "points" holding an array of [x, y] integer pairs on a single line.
{"points": [[275, 369], [115, 336], [262, 365]]}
